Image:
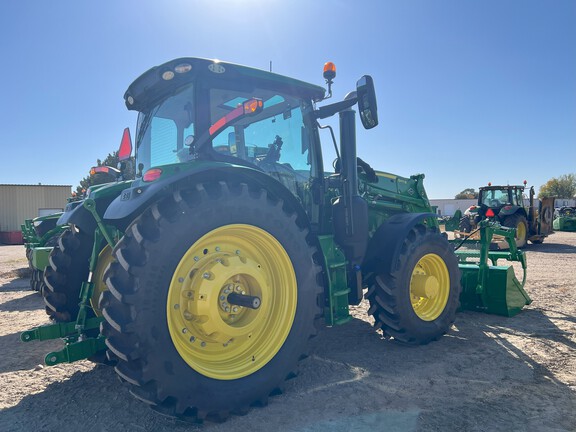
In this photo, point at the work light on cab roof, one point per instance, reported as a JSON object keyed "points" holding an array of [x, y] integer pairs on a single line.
{"points": [[181, 68], [329, 75]]}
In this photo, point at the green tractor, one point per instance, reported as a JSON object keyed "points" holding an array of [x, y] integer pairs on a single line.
{"points": [[205, 277], [565, 219], [505, 204], [40, 236]]}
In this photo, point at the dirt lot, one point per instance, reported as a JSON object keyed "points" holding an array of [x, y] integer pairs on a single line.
{"points": [[489, 373]]}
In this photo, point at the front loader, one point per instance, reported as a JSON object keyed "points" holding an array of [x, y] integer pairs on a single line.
{"points": [[209, 273]]}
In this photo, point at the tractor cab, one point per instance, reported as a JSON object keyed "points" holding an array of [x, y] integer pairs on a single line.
{"points": [[496, 197], [218, 114]]}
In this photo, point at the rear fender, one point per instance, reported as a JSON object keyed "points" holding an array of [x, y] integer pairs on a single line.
{"points": [[134, 200], [510, 210], [385, 246], [76, 214]]}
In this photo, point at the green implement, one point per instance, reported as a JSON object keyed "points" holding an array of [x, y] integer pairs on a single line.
{"points": [[486, 286], [565, 219]]}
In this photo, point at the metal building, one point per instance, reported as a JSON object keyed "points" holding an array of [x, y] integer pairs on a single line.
{"points": [[20, 202]]}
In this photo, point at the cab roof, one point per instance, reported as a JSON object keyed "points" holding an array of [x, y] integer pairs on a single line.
{"points": [[161, 81]]}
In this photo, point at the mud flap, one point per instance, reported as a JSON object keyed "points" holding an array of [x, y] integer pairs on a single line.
{"points": [[499, 293]]}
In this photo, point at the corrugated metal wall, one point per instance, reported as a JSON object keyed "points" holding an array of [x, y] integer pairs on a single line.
{"points": [[20, 202]]}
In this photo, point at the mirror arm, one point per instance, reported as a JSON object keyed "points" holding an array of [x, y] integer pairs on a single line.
{"points": [[330, 110]]}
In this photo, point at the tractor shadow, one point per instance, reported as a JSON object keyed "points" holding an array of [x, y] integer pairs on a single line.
{"points": [[487, 366], [19, 284], [27, 303], [22, 356], [550, 247], [97, 397], [483, 372]]}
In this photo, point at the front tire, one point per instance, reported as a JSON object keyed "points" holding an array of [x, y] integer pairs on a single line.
{"points": [[183, 345], [416, 302]]}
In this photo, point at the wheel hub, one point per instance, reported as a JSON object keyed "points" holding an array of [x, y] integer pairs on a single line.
{"points": [[212, 281], [425, 286]]}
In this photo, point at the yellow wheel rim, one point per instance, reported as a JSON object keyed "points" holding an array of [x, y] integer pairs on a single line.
{"points": [[520, 231], [104, 259], [216, 337], [429, 287]]}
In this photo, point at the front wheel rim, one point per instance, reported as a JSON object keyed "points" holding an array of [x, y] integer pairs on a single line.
{"points": [[429, 287], [215, 337]]}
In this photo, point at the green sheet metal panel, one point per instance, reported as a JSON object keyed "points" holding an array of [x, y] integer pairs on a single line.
{"points": [[500, 294]]}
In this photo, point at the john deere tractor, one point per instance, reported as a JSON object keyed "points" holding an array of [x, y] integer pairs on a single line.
{"points": [[205, 277], [505, 204], [40, 235], [565, 219]]}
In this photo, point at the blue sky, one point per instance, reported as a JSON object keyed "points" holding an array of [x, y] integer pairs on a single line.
{"points": [[468, 91]]}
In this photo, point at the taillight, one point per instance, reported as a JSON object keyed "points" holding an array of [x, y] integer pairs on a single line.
{"points": [[152, 174], [490, 213]]}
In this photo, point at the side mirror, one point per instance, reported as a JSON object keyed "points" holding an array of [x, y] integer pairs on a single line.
{"points": [[367, 102]]}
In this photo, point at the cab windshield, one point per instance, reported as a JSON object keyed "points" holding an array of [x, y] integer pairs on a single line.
{"points": [[275, 141], [501, 197]]}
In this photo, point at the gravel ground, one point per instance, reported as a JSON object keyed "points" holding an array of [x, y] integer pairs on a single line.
{"points": [[489, 373]]}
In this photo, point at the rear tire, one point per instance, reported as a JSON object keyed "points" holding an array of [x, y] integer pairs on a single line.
{"points": [[37, 280], [519, 222], [178, 346], [416, 302], [68, 268]]}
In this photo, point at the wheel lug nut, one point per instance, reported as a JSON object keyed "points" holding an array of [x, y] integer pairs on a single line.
{"points": [[206, 275]]}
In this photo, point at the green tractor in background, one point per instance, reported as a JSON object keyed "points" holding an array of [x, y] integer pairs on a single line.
{"points": [[565, 219], [40, 235], [505, 204], [205, 277]]}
